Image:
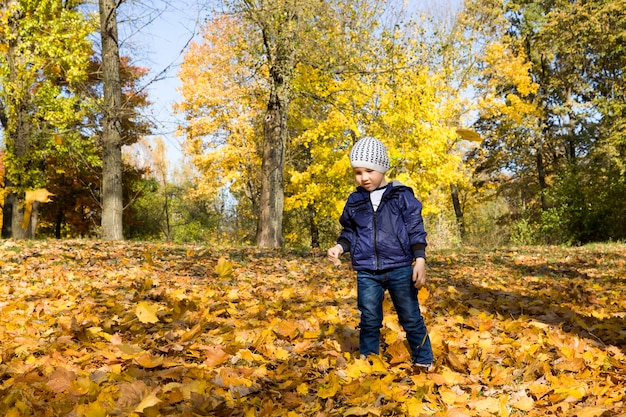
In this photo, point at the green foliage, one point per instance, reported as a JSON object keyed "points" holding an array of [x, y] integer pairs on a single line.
{"points": [[148, 211], [46, 60], [487, 223], [523, 233], [551, 110], [170, 212], [588, 206]]}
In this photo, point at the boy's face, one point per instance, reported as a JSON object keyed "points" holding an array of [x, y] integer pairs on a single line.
{"points": [[368, 178]]}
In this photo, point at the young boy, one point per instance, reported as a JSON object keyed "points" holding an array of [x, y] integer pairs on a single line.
{"points": [[384, 232]]}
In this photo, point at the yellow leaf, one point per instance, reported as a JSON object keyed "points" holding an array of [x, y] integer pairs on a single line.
{"points": [[449, 396], [504, 409], [303, 389], [447, 377], [329, 389], [95, 409], [486, 406], [469, 134], [524, 403], [224, 268], [60, 380], [361, 411], [454, 412], [358, 368], [538, 389], [457, 363], [588, 412], [572, 393], [146, 313], [414, 407], [281, 354], [287, 329], [148, 401], [311, 334], [378, 365], [41, 195], [147, 360], [150, 262]]}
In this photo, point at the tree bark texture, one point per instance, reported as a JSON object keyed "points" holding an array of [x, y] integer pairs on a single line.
{"points": [[17, 131], [541, 175], [281, 58], [271, 204], [458, 210], [112, 204]]}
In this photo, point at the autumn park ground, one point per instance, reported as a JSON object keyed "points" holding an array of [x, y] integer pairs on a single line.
{"points": [[92, 328]]}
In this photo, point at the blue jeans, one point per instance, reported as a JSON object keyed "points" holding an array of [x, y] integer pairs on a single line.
{"points": [[371, 288]]}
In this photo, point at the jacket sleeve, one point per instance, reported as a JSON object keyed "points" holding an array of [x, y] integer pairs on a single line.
{"points": [[415, 225], [346, 237]]}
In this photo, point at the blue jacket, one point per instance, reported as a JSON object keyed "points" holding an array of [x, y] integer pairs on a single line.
{"points": [[390, 237]]}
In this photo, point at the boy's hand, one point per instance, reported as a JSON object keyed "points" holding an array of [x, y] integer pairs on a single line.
{"points": [[334, 253], [419, 272]]}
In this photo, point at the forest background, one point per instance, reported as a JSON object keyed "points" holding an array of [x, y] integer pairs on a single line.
{"points": [[506, 118]]}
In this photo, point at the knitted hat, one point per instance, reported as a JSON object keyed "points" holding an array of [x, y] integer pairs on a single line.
{"points": [[369, 153]]}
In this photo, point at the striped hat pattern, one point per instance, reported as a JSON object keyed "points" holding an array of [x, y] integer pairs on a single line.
{"points": [[369, 153]]}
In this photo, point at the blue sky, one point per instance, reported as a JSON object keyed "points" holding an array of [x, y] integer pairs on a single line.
{"points": [[157, 38]]}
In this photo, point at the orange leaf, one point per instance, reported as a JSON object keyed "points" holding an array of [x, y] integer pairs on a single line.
{"points": [[423, 295], [60, 380], [215, 356], [192, 333], [399, 353]]}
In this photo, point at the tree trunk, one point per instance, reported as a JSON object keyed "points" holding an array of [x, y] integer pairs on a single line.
{"points": [[112, 204], [270, 224], [18, 135], [541, 175], [7, 215], [315, 233], [58, 223], [458, 210]]}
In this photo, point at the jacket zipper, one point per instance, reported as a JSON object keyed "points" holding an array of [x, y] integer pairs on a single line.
{"points": [[375, 243], [375, 212]]}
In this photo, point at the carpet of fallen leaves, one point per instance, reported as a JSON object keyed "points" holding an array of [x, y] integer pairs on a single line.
{"points": [[95, 329]]}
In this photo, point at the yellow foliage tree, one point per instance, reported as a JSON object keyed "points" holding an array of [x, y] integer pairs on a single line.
{"points": [[507, 71], [356, 78], [397, 96], [222, 105]]}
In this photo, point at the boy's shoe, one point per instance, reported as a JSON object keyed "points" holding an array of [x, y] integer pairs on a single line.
{"points": [[423, 367]]}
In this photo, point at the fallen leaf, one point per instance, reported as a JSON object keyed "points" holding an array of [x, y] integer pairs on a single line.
{"points": [[148, 401], [224, 268], [60, 380], [215, 356], [399, 353], [146, 313], [147, 360]]}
